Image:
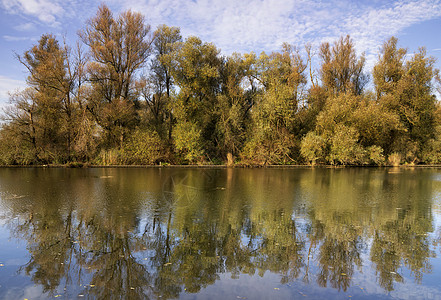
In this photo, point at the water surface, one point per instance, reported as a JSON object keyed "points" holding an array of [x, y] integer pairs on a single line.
{"points": [[220, 233]]}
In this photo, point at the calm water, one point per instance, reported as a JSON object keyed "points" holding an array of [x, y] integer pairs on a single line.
{"points": [[220, 233]]}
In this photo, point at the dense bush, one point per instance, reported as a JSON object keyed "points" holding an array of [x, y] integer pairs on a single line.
{"points": [[188, 142], [144, 148], [313, 147]]}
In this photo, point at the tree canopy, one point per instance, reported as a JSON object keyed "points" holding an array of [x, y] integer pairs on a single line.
{"points": [[127, 94]]}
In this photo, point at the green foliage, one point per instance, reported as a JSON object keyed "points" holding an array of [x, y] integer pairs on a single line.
{"points": [[230, 128], [432, 149], [376, 156], [156, 88], [143, 147], [266, 148], [195, 69], [233, 104], [272, 140], [188, 141], [376, 124], [344, 147], [312, 147], [372, 125], [405, 89], [337, 111], [116, 105], [108, 157], [432, 152]]}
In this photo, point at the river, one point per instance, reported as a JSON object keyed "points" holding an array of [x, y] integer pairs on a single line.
{"points": [[212, 233]]}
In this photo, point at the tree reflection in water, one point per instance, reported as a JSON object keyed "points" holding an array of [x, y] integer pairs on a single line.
{"points": [[152, 233]]}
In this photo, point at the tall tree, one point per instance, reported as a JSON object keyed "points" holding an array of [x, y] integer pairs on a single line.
{"points": [[405, 88], [196, 73], [157, 86], [341, 70], [48, 113], [52, 77], [282, 79], [119, 47], [233, 104], [389, 68]]}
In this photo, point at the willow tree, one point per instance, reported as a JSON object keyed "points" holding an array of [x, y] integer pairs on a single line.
{"points": [[18, 136], [350, 127], [52, 77], [282, 79], [119, 47], [405, 88], [156, 87], [195, 69], [389, 68], [341, 69], [234, 102]]}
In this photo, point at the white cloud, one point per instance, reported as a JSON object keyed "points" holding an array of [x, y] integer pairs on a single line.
{"points": [[25, 26], [9, 85], [45, 11], [372, 26], [248, 25], [10, 38]]}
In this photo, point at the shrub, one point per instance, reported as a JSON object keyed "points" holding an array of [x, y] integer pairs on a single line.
{"points": [[376, 155], [394, 159], [344, 147], [188, 141], [264, 149], [108, 157], [432, 152], [143, 147], [312, 147], [14, 151]]}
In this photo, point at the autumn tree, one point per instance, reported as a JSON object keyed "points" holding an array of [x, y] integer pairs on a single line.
{"points": [[54, 77], [389, 68], [85, 129], [113, 103], [118, 47], [157, 85], [234, 102], [405, 88], [19, 134], [341, 70], [282, 78], [45, 63], [47, 114], [195, 69]]}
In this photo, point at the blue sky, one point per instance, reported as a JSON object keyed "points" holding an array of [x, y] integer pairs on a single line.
{"points": [[232, 25]]}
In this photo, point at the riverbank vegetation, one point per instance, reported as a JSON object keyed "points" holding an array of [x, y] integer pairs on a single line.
{"points": [[128, 94]]}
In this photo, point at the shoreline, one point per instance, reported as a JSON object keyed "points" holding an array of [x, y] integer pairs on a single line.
{"points": [[85, 166]]}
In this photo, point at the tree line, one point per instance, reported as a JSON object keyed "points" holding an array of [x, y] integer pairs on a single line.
{"points": [[125, 94]]}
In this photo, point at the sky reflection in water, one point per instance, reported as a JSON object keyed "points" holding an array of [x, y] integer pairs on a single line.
{"points": [[220, 233]]}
